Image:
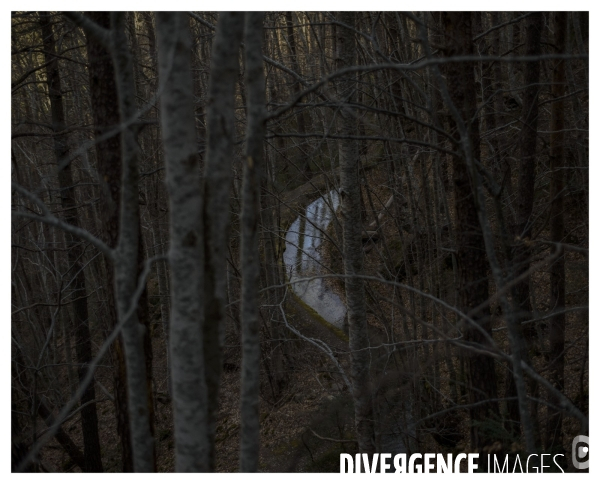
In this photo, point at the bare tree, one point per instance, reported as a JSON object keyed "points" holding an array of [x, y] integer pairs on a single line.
{"points": [[557, 229], [473, 291], [217, 183], [459, 247], [352, 244], [126, 252], [83, 345], [297, 88], [126, 255], [186, 247], [250, 257], [104, 103], [522, 229]]}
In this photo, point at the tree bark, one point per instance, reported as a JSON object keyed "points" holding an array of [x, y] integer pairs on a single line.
{"points": [[185, 246], [471, 255], [126, 255], [83, 343], [217, 183], [352, 243], [521, 255], [557, 232], [297, 88], [249, 261], [105, 111]]}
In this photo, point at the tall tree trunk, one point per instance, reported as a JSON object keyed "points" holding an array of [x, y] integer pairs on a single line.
{"points": [[502, 166], [297, 88], [352, 244], [143, 310], [83, 343], [279, 348], [471, 256], [217, 183], [105, 111], [557, 232], [250, 261], [489, 94], [185, 247], [126, 255], [521, 256]]}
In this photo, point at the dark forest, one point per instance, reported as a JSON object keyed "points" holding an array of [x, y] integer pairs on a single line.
{"points": [[255, 241]]}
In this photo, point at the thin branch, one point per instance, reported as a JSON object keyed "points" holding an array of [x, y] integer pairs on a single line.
{"points": [[337, 441], [48, 218], [66, 411], [90, 27]]}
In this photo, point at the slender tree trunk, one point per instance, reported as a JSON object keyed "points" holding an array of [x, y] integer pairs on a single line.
{"points": [[185, 248], [297, 88], [217, 183], [250, 261], [164, 300], [468, 153], [471, 255], [521, 256], [83, 343], [502, 168], [489, 95], [524, 223], [143, 310], [105, 111], [279, 347], [352, 244], [126, 255], [557, 232]]}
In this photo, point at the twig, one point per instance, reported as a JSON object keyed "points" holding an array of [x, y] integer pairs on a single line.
{"points": [[337, 441]]}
